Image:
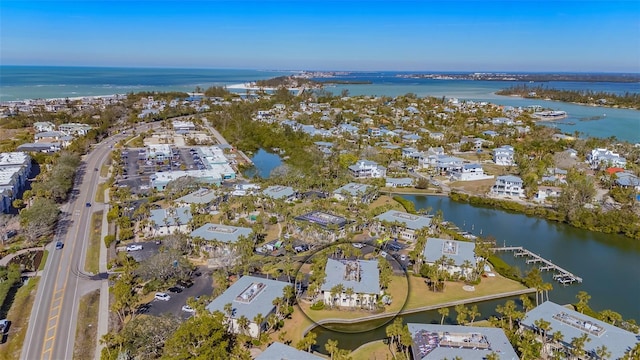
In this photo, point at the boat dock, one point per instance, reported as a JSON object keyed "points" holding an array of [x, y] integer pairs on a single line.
{"points": [[562, 276]]}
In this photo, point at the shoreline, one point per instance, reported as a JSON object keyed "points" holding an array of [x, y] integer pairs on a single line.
{"points": [[570, 102]]}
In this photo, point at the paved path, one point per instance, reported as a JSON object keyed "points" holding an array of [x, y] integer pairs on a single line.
{"points": [[103, 313], [222, 140], [5, 260], [420, 309]]}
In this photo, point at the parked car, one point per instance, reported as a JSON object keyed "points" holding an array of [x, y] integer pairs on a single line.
{"points": [[134, 247], [403, 257], [189, 309], [162, 296], [175, 289], [4, 326], [59, 245], [358, 245], [383, 254]]}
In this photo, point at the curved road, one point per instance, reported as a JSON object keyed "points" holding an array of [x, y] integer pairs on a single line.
{"points": [[52, 326]]}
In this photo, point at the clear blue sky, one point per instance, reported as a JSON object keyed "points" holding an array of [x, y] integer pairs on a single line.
{"points": [[340, 35]]}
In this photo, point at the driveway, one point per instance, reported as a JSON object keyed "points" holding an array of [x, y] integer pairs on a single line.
{"points": [[202, 286]]}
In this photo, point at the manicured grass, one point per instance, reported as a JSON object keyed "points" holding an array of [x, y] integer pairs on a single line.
{"points": [[100, 192], [19, 316], [43, 262], [104, 170], [87, 328], [371, 351], [420, 295], [92, 258], [385, 200]]}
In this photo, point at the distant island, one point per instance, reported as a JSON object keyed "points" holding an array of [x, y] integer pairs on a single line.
{"points": [[585, 77], [628, 100]]}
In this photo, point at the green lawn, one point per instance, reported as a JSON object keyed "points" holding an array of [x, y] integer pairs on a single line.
{"points": [[87, 329], [93, 252], [104, 170], [100, 192], [19, 316], [43, 262], [371, 351]]}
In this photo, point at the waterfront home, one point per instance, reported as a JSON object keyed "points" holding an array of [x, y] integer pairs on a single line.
{"points": [[545, 192], [462, 254], [508, 185], [434, 341], [572, 324], [249, 296], [401, 225], [504, 155], [361, 276], [170, 220], [286, 193], [399, 182], [605, 157], [354, 191], [280, 351], [470, 172], [445, 164], [367, 169], [216, 236]]}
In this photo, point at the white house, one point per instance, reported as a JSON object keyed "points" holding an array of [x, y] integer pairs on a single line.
{"points": [[508, 185], [503, 155], [74, 129], [15, 168], [404, 225], [361, 276], [545, 192], [249, 296], [470, 172], [367, 169], [461, 254], [606, 157], [355, 191], [170, 221], [43, 126]]}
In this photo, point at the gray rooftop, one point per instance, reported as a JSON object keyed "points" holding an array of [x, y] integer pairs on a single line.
{"points": [[353, 189], [222, 233], [278, 192], [182, 214], [369, 279], [200, 196], [280, 351], [410, 221], [258, 302], [573, 324], [459, 251], [509, 178], [434, 341]]}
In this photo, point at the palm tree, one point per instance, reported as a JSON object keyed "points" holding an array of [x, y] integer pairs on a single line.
{"points": [[349, 292], [473, 313], [603, 352], [258, 320], [583, 301], [243, 324], [577, 345], [444, 312], [332, 347], [543, 327], [229, 311]]}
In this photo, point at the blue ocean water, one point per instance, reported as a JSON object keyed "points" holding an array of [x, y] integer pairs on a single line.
{"points": [[32, 82]]}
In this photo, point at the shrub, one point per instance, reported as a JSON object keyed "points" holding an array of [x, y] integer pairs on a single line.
{"points": [[109, 239], [318, 305]]}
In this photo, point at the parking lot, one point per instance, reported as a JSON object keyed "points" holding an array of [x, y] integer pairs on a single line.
{"points": [[149, 248], [202, 286]]}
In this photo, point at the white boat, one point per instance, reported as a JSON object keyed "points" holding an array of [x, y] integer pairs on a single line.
{"points": [[550, 115]]}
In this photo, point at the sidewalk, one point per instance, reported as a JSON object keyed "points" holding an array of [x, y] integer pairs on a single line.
{"points": [[103, 312]]}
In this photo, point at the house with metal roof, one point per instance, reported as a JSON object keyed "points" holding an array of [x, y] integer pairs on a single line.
{"points": [[170, 220], [627, 180], [470, 172], [361, 276], [461, 252], [280, 192], [573, 324], [354, 191], [249, 296], [504, 155], [508, 185], [280, 351], [200, 196], [434, 341], [402, 225], [367, 169], [399, 182], [221, 233]]}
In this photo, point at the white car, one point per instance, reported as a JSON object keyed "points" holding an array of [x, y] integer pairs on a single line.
{"points": [[162, 296], [383, 254], [189, 309], [134, 247], [358, 245], [403, 257]]}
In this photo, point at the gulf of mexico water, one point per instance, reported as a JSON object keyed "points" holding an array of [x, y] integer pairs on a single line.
{"points": [[40, 82], [45, 82]]}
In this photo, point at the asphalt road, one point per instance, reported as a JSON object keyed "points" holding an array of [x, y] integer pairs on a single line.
{"points": [[52, 325]]}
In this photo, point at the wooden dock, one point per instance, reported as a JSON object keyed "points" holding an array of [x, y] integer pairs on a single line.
{"points": [[561, 275]]}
